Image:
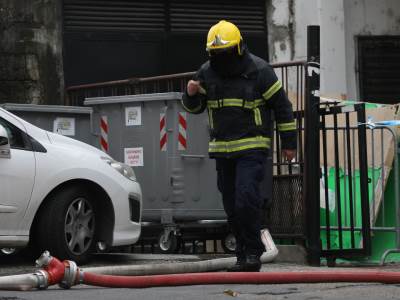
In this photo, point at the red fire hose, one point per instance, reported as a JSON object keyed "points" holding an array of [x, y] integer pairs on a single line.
{"points": [[67, 274], [238, 278]]}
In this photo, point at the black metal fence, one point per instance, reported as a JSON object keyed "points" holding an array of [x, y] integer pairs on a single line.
{"points": [[345, 223], [285, 217], [285, 214], [335, 171]]}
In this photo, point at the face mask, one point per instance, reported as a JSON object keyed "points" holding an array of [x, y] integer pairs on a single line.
{"points": [[226, 64]]}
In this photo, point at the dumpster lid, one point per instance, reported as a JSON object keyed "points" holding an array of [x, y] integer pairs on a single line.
{"points": [[134, 98], [46, 108]]}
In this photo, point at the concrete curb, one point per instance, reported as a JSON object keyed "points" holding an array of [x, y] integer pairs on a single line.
{"points": [[291, 254]]}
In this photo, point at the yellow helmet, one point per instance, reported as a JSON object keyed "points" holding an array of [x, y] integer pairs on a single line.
{"points": [[224, 35]]}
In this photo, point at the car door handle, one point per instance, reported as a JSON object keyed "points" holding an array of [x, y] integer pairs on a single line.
{"points": [[5, 153]]}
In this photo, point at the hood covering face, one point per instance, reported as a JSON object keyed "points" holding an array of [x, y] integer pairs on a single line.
{"points": [[227, 63]]}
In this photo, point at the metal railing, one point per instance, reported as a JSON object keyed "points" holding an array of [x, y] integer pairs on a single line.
{"points": [[388, 143], [75, 95], [341, 199], [285, 214]]}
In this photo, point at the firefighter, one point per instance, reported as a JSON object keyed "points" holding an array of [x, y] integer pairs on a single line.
{"points": [[240, 92]]}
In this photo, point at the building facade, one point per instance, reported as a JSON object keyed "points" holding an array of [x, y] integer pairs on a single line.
{"points": [[47, 45]]}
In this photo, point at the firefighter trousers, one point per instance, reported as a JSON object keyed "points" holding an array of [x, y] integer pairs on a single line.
{"points": [[239, 182]]}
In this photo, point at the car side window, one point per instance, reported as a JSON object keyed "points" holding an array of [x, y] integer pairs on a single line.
{"points": [[15, 135]]}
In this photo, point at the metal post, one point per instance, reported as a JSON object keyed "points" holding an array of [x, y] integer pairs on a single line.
{"points": [[363, 167], [312, 148], [396, 189], [350, 179], [396, 196]]}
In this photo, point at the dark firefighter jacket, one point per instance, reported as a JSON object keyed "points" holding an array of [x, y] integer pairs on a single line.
{"points": [[240, 108]]}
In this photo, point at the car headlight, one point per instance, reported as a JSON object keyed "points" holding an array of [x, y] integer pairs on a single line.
{"points": [[121, 168]]}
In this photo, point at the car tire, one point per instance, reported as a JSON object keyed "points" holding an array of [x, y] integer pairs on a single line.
{"points": [[67, 225]]}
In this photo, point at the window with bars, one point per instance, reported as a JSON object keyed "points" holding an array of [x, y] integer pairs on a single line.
{"points": [[379, 65]]}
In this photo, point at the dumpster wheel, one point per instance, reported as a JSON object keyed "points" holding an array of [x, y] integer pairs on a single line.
{"points": [[168, 242], [8, 251], [228, 243]]}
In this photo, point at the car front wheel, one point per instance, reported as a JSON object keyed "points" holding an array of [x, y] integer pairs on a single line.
{"points": [[67, 225]]}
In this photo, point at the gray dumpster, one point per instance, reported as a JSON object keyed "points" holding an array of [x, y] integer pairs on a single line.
{"points": [[74, 122], [178, 182], [168, 149]]}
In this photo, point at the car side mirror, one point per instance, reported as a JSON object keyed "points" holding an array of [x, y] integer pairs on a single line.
{"points": [[5, 151]]}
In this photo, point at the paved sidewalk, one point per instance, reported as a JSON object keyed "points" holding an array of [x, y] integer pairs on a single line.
{"points": [[315, 291]]}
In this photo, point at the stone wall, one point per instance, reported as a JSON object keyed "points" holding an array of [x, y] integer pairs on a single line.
{"points": [[31, 69], [281, 30]]}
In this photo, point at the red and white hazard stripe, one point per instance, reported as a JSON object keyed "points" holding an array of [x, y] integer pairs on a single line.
{"points": [[182, 131], [163, 133], [104, 133]]}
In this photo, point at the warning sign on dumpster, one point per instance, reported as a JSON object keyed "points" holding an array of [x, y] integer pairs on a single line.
{"points": [[64, 126], [133, 116], [134, 156]]}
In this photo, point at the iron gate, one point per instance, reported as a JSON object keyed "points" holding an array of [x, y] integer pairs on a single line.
{"points": [[345, 228], [338, 222]]}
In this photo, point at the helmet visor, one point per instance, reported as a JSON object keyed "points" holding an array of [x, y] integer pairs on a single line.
{"points": [[223, 51]]}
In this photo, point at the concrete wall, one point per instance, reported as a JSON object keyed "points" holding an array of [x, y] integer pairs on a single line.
{"points": [[287, 28], [333, 48], [341, 22], [31, 69], [30, 51], [280, 14]]}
